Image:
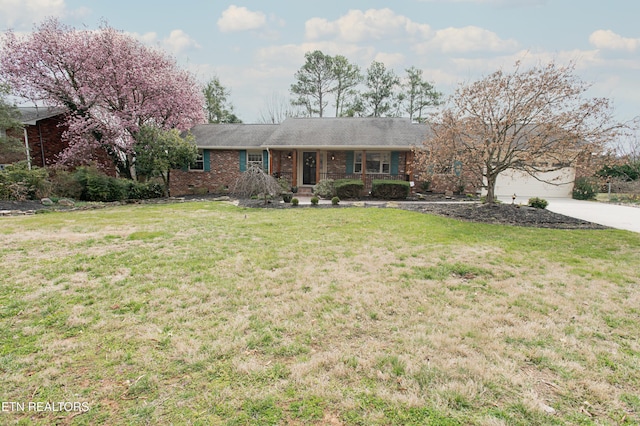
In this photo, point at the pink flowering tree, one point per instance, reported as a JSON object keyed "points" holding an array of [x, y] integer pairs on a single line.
{"points": [[112, 85]]}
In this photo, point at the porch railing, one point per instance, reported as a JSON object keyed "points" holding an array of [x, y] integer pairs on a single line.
{"points": [[368, 178]]}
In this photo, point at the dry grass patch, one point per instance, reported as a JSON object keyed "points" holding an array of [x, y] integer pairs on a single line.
{"points": [[212, 313]]}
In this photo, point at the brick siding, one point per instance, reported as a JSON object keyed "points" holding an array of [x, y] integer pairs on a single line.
{"points": [[224, 170]]}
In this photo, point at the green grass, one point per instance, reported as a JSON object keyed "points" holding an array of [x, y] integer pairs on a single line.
{"points": [[206, 313]]}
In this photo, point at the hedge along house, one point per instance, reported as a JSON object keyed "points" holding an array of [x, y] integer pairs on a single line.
{"points": [[303, 151]]}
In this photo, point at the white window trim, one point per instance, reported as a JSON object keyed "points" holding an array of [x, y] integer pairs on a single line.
{"points": [[199, 163], [258, 163], [384, 156]]}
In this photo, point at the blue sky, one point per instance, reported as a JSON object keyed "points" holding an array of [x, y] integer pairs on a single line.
{"points": [[256, 46]]}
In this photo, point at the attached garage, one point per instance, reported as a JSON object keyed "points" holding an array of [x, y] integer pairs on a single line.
{"points": [[523, 185]]}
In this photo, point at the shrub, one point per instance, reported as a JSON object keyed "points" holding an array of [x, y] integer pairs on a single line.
{"points": [[325, 189], [96, 186], [349, 188], [287, 196], [17, 182], [144, 191], [538, 203], [295, 201], [315, 200], [65, 185], [335, 201], [285, 186], [585, 189], [106, 188], [390, 189]]}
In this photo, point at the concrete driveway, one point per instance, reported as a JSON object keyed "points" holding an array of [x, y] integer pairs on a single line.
{"points": [[614, 216]]}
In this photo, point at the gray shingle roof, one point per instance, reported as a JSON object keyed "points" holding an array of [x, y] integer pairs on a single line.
{"points": [[232, 136], [31, 115], [329, 133]]}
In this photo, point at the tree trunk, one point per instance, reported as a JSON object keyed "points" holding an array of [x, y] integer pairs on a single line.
{"points": [[131, 165], [165, 180], [167, 184], [491, 190]]}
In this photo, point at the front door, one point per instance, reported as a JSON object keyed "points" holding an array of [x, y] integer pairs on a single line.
{"points": [[309, 168]]}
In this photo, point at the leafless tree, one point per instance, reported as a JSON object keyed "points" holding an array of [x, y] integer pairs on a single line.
{"points": [[277, 109], [256, 182], [529, 120]]}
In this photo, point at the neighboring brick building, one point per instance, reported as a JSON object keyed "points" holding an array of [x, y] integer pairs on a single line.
{"points": [[42, 135]]}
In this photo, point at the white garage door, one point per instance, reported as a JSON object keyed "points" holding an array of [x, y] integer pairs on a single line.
{"points": [[523, 185]]}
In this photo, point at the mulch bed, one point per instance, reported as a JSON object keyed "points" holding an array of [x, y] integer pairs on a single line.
{"points": [[500, 214], [503, 214]]}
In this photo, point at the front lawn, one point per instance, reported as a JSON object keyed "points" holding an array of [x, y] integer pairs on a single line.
{"points": [[206, 313]]}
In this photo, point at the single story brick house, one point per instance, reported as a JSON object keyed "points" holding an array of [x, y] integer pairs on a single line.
{"points": [[300, 150], [303, 151]]}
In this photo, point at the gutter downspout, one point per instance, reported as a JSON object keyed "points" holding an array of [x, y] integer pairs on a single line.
{"points": [[41, 144]]}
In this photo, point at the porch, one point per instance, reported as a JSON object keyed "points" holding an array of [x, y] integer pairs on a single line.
{"points": [[305, 168]]}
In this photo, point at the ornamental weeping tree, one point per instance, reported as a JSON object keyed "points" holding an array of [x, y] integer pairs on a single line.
{"points": [[256, 182], [111, 84], [534, 120]]}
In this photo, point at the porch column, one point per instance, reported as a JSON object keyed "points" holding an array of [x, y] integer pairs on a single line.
{"points": [[294, 177], [270, 154], [364, 167], [408, 167], [317, 166], [279, 162]]}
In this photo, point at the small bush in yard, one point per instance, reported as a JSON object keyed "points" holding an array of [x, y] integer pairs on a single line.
{"points": [[65, 185], [96, 186], [19, 183], [585, 189], [325, 188], [390, 189], [295, 201], [335, 201], [144, 190], [349, 188], [538, 203], [315, 201]]}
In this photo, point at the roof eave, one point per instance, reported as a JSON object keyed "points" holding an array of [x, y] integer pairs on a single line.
{"points": [[309, 147]]}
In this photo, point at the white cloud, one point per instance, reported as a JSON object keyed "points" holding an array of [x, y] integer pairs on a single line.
{"points": [[150, 38], [176, 42], [236, 18], [390, 60], [607, 39], [26, 12], [179, 41], [467, 39], [357, 26]]}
